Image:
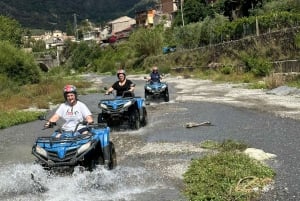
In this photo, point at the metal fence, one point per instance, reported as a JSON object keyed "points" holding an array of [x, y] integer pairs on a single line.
{"points": [[286, 66]]}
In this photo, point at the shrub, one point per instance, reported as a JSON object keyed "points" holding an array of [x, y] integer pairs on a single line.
{"points": [[16, 117], [274, 80], [18, 65], [221, 176], [147, 41], [258, 66], [226, 70]]}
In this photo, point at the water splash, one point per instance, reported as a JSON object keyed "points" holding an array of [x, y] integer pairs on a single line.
{"points": [[16, 181], [120, 184]]}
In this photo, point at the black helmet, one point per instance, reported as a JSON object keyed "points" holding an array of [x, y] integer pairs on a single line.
{"points": [[121, 71], [70, 89]]}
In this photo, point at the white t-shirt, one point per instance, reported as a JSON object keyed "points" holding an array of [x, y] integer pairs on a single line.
{"points": [[73, 115]]}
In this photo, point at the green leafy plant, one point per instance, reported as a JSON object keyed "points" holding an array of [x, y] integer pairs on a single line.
{"points": [[11, 118], [226, 70], [226, 175], [257, 65]]}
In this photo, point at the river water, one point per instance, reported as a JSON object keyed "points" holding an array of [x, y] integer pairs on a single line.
{"points": [[130, 180], [152, 160], [123, 183], [21, 179]]}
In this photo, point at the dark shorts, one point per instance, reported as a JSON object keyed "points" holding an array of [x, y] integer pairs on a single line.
{"points": [[82, 130]]}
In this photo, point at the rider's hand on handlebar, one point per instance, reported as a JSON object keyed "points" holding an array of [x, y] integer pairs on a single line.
{"points": [[49, 124]]}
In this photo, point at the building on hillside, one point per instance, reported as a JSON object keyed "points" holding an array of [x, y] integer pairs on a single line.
{"points": [[120, 24], [105, 33], [145, 18], [93, 35], [166, 10], [54, 39], [117, 30], [58, 34], [169, 6]]}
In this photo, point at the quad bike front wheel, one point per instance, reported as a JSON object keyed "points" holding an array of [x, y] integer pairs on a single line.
{"points": [[113, 157], [145, 117], [147, 95], [100, 118]]}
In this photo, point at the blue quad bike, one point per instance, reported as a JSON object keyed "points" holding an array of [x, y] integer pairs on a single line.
{"points": [[127, 111], [72, 149], [156, 90]]}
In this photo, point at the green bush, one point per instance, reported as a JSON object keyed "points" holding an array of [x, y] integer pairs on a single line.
{"points": [[297, 40], [226, 70], [146, 42], [225, 176], [84, 54], [11, 118], [39, 46], [258, 66], [10, 31], [6, 83], [18, 65]]}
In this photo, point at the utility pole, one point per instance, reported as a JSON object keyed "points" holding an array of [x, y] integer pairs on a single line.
{"points": [[256, 22], [75, 26], [181, 5]]}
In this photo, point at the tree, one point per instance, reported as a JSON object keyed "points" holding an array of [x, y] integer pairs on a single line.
{"points": [[238, 8], [38, 46], [147, 42], [17, 65], [84, 54], [194, 11], [11, 30], [273, 6]]}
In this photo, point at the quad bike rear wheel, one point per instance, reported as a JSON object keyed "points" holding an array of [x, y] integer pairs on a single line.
{"points": [[166, 96], [134, 120]]}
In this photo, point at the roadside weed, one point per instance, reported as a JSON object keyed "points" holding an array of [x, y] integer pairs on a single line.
{"points": [[228, 174]]}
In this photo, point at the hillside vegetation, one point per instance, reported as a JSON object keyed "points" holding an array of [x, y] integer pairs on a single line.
{"points": [[57, 14], [241, 48]]}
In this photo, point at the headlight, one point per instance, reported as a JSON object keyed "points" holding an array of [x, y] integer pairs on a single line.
{"points": [[103, 106], [148, 88], [83, 148], [127, 104], [41, 151], [164, 86]]}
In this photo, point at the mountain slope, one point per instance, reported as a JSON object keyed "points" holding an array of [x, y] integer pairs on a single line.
{"points": [[55, 14]]}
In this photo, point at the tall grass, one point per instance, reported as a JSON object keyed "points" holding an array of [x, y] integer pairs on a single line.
{"points": [[15, 117], [14, 100]]}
